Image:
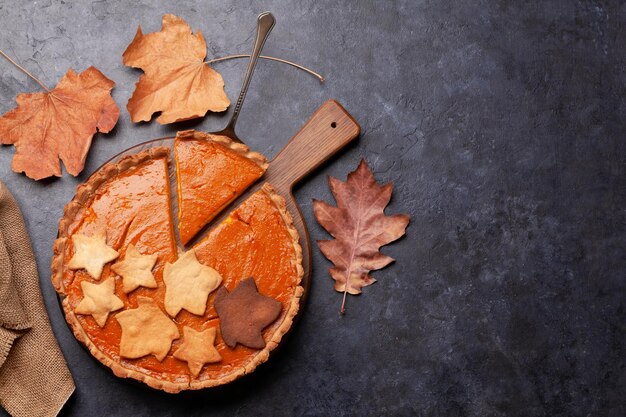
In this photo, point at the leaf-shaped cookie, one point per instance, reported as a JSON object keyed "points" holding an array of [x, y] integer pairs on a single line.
{"points": [[59, 124], [176, 81], [188, 284], [360, 227], [146, 330], [244, 313]]}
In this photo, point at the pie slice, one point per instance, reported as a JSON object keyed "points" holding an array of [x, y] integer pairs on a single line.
{"points": [[211, 171]]}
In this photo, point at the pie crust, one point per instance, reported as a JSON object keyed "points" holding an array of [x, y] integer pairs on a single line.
{"points": [[84, 195]]}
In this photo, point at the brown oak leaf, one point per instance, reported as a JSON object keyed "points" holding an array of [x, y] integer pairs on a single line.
{"points": [[59, 123], [176, 81], [360, 227]]}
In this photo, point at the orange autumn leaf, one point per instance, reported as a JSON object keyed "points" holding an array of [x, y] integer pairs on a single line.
{"points": [[59, 123], [176, 81], [360, 227]]}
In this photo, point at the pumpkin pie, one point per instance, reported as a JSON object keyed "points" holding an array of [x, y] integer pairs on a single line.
{"points": [[211, 172], [128, 308]]}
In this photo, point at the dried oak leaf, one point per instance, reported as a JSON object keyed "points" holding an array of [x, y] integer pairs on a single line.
{"points": [[360, 227], [59, 124], [176, 81]]}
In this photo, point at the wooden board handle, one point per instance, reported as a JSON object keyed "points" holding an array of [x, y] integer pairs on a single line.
{"points": [[329, 130]]}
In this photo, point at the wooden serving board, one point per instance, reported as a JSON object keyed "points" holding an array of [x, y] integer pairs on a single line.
{"points": [[328, 131]]}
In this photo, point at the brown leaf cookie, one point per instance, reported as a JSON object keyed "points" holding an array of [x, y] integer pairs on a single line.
{"points": [[244, 313]]}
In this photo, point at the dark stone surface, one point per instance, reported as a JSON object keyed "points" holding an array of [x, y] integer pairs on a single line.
{"points": [[501, 125]]}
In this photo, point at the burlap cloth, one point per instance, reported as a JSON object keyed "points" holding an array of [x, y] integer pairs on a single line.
{"points": [[34, 379]]}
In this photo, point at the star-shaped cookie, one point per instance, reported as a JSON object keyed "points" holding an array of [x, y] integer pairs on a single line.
{"points": [[197, 349], [99, 300], [91, 253], [146, 330], [244, 313], [188, 284], [135, 270]]}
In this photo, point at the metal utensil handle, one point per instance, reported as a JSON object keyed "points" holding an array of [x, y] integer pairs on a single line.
{"points": [[265, 23]]}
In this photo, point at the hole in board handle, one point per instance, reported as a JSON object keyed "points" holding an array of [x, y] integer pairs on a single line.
{"points": [[333, 125]]}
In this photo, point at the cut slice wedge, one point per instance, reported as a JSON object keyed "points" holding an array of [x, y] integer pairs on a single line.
{"points": [[211, 172]]}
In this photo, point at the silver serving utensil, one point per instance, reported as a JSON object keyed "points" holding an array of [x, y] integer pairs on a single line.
{"points": [[265, 23]]}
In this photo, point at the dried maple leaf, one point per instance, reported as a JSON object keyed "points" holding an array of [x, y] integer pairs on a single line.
{"points": [[59, 124], [176, 80], [360, 227]]}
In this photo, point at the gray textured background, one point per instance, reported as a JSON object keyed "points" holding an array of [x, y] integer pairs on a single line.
{"points": [[500, 123]]}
